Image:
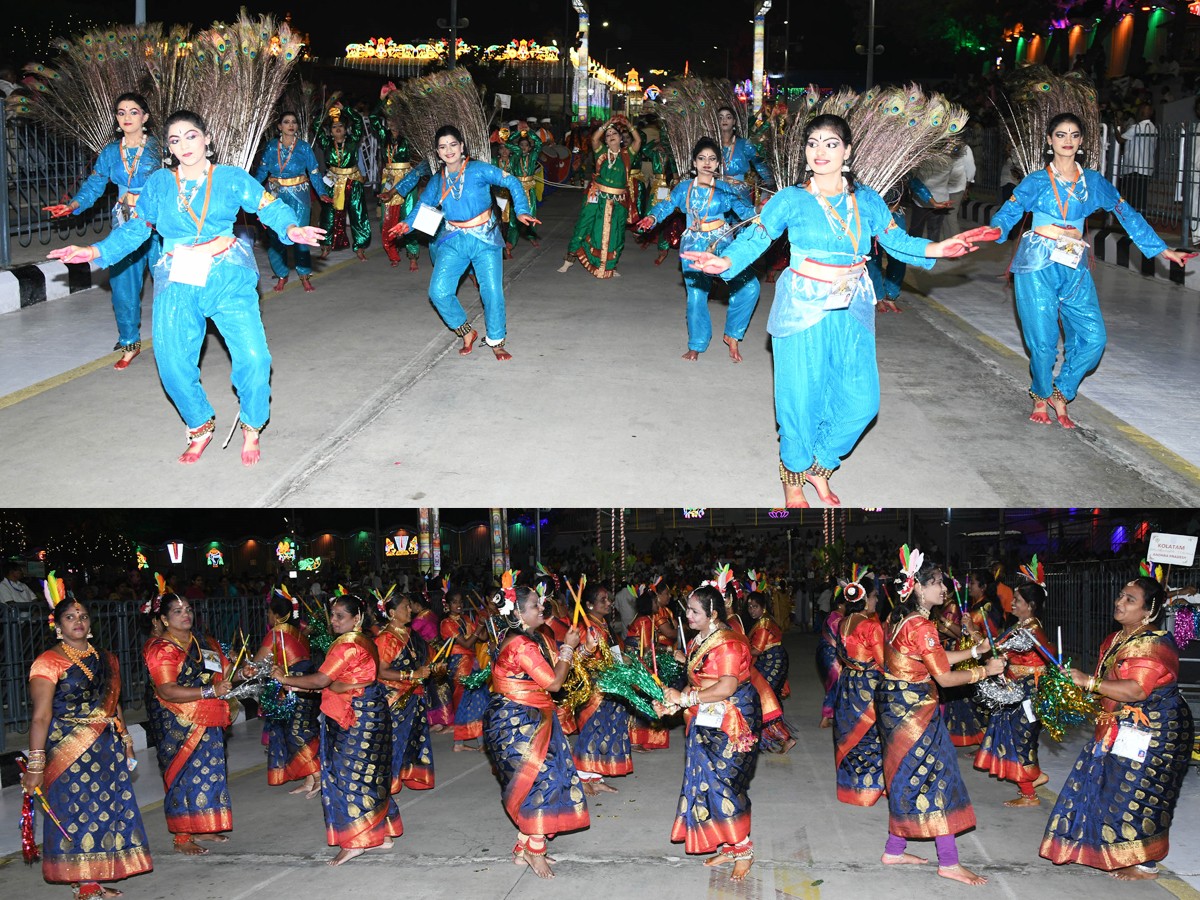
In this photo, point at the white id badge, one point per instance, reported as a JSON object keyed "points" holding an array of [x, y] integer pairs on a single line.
{"points": [[329, 180], [663, 194], [502, 202], [212, 661], [1068, 251], [1027, 706], [1131, 743], [841, 291], [190, 266], [428, 220], [616, 654], [711, 715], [120, 214]]}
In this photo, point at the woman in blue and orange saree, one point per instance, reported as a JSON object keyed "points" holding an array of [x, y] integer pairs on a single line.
{"points": [[403, 667], [926, 794], [79, 758], [641, 641], [356, 737], [439, 693], [723, 717], [602, 747], [858, 753], [469, 703], [191, 675], [771, 665], [1010, 744], [539, 786], [827, 662], [294, 731], [1114, 812]]}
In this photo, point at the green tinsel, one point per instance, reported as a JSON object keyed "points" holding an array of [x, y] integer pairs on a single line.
{"points": [[318, 633], [1061, 705], [630, 681], [275, 704], [476, 680], [670, 670]]}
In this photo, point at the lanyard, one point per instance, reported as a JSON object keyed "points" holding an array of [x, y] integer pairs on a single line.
{"points": [[283, 163], [187, 201], [1062, 206], [448, 184], [842, 222], [701, 211], [130, 165]]}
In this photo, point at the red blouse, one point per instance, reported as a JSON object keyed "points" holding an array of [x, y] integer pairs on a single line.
{"points": [[864, 642], [165, 660], [522, 674], [724, 653], [454, 627], [641, 632], [288, 643], [351, 659], [1148, 658], [914, 652], [765, 634]]}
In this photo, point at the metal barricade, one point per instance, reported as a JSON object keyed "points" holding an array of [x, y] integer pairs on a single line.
{"points": [[38, 170], [118, 627]]}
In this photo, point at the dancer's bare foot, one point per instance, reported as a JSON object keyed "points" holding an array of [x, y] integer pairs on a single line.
{"points": [[324, 253], [462, 748], [345, 855], [468, 343], [1040, 780], [306, 283], [788, 745], [793, 496], [395, 263], [361, 254], [902, 859], [539, 864], [616, 274], [732, 344], [304, 787], [538, 243], [1133, 873], [280, 283], [826, 722], [603, 787], [719, 860], [501, 353], [662, 255], [387, 844], [1040, 413], [1059, 403], [691, 355], [963, 874], [566, 265], [212, 838], [197, 444], [589, 788], [1022, 801], [412, 265], [741, 868], [190, 848], [250, 452], [821, 483]]}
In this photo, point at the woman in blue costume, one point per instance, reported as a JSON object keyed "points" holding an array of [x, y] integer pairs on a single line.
{"points": [[603, 745], [708, 203], [1050, 274], [469, 236], [80, 756], [738, 155], [403, 667], [127, 162], [288, 168], [204, 273], [822, 321], [539, 786]]}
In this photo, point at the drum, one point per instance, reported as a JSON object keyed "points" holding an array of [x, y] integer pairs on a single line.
{"points": [[556, 161]]}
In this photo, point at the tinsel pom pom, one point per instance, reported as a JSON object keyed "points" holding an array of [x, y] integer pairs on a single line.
{"points": [[1185, 626], [318, 633], [275, 704], [29, 847], [476, 680], [995, 693], [630, 681], [1061, 705], [670, 670]]}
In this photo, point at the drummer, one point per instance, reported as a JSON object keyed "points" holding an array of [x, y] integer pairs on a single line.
{"points": [[545, 133]]}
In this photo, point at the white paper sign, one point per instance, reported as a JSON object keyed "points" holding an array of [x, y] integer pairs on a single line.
{"points": [[428, 220], [663, 193], [190, 266], [617, 655], [1068, 252], [1027, 706], [1131, 743], [504, 101], [502, 202], [711, 715], [1173, 549], [212, 660]]}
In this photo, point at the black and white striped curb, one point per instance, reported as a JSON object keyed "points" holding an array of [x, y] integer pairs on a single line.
{"points": [[24, 286]]}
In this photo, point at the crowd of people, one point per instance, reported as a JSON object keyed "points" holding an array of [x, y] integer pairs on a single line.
{"points": [[361, 679]]}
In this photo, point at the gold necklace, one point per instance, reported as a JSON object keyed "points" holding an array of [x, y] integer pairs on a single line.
{"points": [[78, 656]]}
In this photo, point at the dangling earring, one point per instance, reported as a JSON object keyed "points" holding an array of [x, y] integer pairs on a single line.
{"points": [[58, 633], [90, 635], [846, 165], [209, 153]]}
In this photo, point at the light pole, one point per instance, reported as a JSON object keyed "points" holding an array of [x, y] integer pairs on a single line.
{"points": [[759, 76], [581, 61]]}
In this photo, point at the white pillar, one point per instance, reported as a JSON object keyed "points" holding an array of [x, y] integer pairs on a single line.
{"points": [[759, 78], [581, 62]]}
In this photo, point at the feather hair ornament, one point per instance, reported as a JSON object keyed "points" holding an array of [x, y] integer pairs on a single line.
{"points": [[688, 113], [1034, 571], [910, 564], [1032, 97], [56, 591], [282, 591], [1147, 569]]}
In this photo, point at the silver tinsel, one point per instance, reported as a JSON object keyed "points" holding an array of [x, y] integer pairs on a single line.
{"points": [[252, 688], [999, 691], [1021, 641]]}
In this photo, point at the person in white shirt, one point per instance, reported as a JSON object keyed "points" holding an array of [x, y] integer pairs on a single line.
{"points": [[958, 183], [12, 588], [1139, 149], [927, 215]]}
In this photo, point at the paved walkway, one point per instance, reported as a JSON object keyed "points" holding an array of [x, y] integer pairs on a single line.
{"points": [[457, 837], [371, 403]]}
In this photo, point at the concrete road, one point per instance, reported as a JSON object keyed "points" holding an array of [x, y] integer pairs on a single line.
{"points": [[371, 403], [457, 838]]}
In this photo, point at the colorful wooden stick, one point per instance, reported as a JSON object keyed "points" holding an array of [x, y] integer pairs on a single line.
{"points": [[37, 792]]}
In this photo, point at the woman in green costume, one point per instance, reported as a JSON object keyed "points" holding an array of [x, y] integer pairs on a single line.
{"points": [[348, 211], [394, 206], [599, 234], [526, 150]]}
